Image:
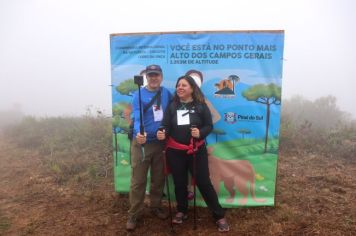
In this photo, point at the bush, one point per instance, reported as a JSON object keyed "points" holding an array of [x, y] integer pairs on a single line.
{"points": [[318, 126], [69, 146]]}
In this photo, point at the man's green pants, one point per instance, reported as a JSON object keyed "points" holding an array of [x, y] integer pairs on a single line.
{"points": [[153, 161]]}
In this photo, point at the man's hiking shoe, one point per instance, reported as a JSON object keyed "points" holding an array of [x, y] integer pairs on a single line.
{"points": [[159, 213], [223, 226], [131, 223], [179, 218]]}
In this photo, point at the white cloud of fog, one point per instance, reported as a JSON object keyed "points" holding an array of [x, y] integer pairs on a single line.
{"points": [[55, 55]]}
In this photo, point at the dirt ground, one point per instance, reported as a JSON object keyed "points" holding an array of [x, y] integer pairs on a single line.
{"points": [[315, 196]]}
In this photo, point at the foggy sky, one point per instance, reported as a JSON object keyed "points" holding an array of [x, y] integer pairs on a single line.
{"points": [[55, 58]]}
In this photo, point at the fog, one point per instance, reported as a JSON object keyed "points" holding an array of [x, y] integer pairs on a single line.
{"points": [[55, 59]]}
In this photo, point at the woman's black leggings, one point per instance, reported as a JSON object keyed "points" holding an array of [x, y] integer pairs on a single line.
{"points": [[179, 163]]}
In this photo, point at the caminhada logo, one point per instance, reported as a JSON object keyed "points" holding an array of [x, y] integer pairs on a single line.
{"points": [[230, 117], [226, 87]]}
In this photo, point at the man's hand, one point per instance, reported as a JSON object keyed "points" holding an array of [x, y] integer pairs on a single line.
{"points": [[141, 139], [161, 135]]}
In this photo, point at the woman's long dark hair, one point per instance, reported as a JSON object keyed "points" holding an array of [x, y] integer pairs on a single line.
{"points": [[198, 96]]}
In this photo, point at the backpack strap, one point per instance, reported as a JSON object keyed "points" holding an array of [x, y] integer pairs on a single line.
{"points": [[156, 97]]}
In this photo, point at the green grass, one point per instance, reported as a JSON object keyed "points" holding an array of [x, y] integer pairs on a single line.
{"points": [[264, 164], [241, 148], [252, 150], [4, 224], [122, 167]]}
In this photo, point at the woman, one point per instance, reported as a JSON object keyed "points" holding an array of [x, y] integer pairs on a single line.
{"points": [[187, 122]]}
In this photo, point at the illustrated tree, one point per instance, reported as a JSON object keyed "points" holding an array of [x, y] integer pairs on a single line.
{"points": [[126, 87], [115, 124], [266, 94], [243, 132], [119, 123], [234, 79], [218, 132]]}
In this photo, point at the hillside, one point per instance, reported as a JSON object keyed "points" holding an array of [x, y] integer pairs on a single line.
{"points": [[315, 195]]}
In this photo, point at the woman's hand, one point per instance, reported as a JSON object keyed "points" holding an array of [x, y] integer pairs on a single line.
{"points": [[161, 135], [195, 132], [141, 139]]}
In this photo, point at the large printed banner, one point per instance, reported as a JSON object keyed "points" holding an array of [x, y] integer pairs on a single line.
{"points": [[240, 73]]}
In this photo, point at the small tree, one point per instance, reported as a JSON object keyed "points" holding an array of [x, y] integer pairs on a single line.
{"points": [[127, 87], [243, 132], [119, 123], [234, 79], [266, 95], [218, 132]]}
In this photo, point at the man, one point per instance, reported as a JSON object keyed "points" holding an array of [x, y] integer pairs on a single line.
{"points": [[146, 150]]}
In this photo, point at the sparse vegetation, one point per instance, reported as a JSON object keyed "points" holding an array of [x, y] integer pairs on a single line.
{"points": [[71, 147], [317, 126], [4, 224]]}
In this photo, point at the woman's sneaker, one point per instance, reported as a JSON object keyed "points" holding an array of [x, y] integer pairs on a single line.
{"points": [[190, 195], [223, 226], [179, 218]]}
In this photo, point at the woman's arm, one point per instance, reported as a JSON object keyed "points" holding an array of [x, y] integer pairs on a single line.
{"points": [[166, 122], [207, 126]]}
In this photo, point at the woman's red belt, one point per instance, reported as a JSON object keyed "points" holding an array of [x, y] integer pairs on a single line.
{"points": [[191, 148]]}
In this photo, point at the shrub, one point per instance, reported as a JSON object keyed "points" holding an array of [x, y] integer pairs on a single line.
{"points": [[69, 146], [318, 126]]}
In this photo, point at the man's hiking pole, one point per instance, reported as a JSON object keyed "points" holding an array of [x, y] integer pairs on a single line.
{"points": [[138, 79], [194, 182], [166, 172]]}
